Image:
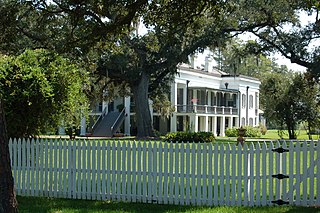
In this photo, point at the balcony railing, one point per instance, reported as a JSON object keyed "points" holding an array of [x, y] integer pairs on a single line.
{"points": [[220, 110]]}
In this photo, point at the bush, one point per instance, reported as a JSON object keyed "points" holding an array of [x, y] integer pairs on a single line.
{"points": [[232, 132], [251, 132], [263, 129], [197, 137]]}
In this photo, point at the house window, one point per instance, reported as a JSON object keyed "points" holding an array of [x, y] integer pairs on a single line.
{"points": [[243, 101], [179, 123], [213, 99], [250, 121], [243, 122], [180, 96], [251, 101], [201, 95], [231, 101]]}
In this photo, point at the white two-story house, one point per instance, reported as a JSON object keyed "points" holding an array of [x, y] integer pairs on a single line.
{"points": [[204, 99]]}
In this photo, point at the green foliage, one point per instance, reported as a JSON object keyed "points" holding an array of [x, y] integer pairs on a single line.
{"points": [[231, 132], [162, 105], [197, 137], [41, 89], [263, 129], [289, 99], [251, 132]]}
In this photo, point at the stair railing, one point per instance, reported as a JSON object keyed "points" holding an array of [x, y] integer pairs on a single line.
{"points": [[118, 121], [101, 116]]}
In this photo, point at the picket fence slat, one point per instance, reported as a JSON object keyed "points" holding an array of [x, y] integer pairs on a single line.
{"points": [[277, 171], [258, 178], [167, 173], [312, 149], [215, 175], [297, 189], [251, 176], [284, 171], [318, 175]]}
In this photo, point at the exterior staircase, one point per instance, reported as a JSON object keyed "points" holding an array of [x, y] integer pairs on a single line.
{"points": [[108, 124]]}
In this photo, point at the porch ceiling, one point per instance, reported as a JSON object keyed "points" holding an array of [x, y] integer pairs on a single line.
{"points": [[207, 88]]}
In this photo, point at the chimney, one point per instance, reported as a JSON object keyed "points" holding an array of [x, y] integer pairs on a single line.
{"points": [[193, 61], [208, 65]]}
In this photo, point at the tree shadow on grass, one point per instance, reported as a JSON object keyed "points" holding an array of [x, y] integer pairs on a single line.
{"points": [[54, 205]]}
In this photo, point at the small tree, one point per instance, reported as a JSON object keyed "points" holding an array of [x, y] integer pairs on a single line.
{"points": [[40, 90], [289, 100]]}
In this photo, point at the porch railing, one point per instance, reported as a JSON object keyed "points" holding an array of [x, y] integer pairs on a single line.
{"points": [[221, 110]]}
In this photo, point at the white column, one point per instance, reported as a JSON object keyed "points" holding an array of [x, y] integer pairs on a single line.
{"points": [[196, 124], [216, 102], [206, 128], [173, 97], [237, 121], [151, 109], [185, 95], [214, 125], [105, 105], [194, 96], [173, 122], [127, 118], [222, 126], [209, 98], [230, 122], [185, 98], [83, 126]]}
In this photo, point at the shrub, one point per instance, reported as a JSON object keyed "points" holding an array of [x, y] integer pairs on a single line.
{"points": [[197, 137], [251, 132], [263, 129], [232, 132]]}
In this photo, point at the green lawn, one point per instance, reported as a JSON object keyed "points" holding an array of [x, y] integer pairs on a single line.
{"points": [[50, 205], [301, 135], [273, 135]]}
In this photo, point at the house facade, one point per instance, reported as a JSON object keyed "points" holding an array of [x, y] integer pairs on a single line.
{"points": [[204, 100]]}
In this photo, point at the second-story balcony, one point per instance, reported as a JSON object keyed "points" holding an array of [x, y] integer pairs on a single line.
{"points": [[205, 109]]}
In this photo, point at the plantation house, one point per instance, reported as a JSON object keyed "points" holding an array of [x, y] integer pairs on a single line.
{"points": [[204, 99]]}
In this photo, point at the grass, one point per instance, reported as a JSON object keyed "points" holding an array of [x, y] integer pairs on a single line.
{"points": [[272, 135], [54, 205], [301, 135]]}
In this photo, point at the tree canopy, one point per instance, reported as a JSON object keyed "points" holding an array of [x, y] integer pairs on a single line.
{"points": [[296, 41], [40, 89], [289, 99]]}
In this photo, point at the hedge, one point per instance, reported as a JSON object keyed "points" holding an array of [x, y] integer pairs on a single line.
{"points": [[197, 137], [251, 132]]}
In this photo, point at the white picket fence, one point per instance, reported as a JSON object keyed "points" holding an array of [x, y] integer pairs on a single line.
{"points": [[168, 173]]}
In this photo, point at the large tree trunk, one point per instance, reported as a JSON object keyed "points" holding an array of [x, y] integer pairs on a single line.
{"points": [[8, 202], [141, 99]]}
